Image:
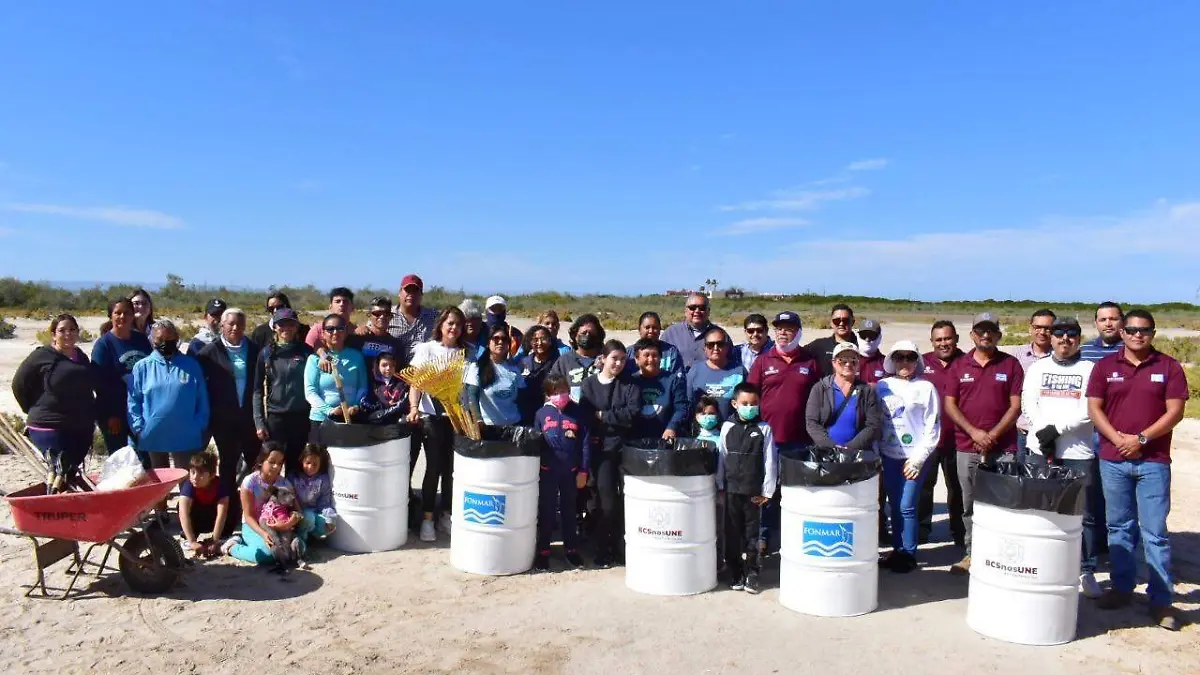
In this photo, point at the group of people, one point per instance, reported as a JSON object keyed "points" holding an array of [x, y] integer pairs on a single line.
{"points": [[1104, 407]]}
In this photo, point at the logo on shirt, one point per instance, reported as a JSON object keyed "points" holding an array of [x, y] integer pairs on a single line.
{"points": [[803, 370], [967, 377], [771, 370], [878, 373], [483, 509], [184, 377], [1002, 377], [928, 370], [828, 540], [1157, 377], [1061, 385], [1115, 377]]}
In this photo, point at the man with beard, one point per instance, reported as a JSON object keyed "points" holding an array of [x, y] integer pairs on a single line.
{"points": [[944, 338], [1110, 320], [983, 403], [842, 320], [413, 323]]}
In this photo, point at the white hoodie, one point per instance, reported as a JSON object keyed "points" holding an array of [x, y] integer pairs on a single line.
{"points": [[1053, 394], [911, 418]]}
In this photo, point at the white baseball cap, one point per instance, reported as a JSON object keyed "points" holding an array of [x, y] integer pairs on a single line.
{"points": [[495, 300], [843, 347]]}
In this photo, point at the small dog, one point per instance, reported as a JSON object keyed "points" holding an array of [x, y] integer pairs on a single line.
{"points": [[280, 506]]}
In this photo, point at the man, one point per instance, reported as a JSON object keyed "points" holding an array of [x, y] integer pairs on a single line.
{"points": [[1060, 431], [870, 365], [758, 341], [341, 302], [717, 375], [842, 320], [983, 402], [497, 313], [688, 335], [264, 333], [785, 375], [228, 364], [413, 324], [944, 338], [1037, 349], [1136, 397], [374, 339], [212, 324], [1110, 320]]}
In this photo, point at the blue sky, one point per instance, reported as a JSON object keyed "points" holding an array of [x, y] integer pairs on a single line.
{"points": [[928, 150]]}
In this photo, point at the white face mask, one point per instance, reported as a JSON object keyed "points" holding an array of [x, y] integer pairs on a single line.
{"points": [[872, 347], [792, 345]]}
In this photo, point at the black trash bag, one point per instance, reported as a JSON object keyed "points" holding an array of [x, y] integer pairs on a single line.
{"points": [[826, 467], [1023, 487], [340, 435], [501, 442], [675, 457]]}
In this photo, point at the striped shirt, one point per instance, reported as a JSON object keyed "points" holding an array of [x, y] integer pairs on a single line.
{"points": [[415, 332], [1095, 350]]}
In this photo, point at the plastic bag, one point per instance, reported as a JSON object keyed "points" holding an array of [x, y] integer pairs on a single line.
{"points": [[501, 442], [826, 467], [1022, 487], [677, 457], [122, 469]]}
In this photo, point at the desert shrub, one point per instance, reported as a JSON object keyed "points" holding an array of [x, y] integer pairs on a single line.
{"points": [[1183, 349], [7, 330], [85, 335], [187, 331]]}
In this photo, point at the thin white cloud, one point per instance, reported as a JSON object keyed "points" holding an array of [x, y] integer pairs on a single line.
{"points": [[798, 200], [116, 215], [868, 164], [757, 225]]}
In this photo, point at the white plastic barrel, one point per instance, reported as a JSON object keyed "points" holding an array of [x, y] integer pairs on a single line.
{"points": [[1024, 575], [829, 552], [495, 514], [370, 495], [670, 534]]}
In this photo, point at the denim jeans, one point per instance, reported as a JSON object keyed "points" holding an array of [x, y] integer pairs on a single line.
{"points": [[1022, 437], [903, 495], [1138, 499], [1093, 522]]}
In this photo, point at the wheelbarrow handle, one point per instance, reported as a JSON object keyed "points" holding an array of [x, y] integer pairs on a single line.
{"points": [[15, 533]]}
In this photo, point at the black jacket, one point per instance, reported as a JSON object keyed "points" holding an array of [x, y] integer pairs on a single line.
{"points": [[263, 335], [56, 392], [279, 381], [618, 404], [822, 350], [226, 410]]}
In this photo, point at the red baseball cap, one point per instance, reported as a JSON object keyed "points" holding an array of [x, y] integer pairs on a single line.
{"points": [[413, 280]]}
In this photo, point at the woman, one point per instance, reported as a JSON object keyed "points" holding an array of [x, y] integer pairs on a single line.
{"points": [[320, 388], [472, 327], [650, 328], [280, 407], [54, 387], [143, 311], [113, 358], [911, 428], [550, 320], [610, 404], [664, 404], [449, 338], [168, 402], [843, 410], [587, 338], [718, 374], [540, 356], [493, 382]]}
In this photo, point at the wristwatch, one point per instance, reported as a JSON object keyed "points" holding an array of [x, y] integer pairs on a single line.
{"points": [[1142, 439]]}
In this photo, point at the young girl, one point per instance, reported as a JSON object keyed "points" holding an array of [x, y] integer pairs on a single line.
{"points": [[256, 541], [204, 506], [387, 398], [708, 419], [564, 470], [314, 491]]}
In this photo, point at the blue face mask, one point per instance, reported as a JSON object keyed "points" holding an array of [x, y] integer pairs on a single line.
{"points": [[707, 421], [748, 413]]}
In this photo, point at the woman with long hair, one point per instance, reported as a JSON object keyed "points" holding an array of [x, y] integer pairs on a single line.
{"points": [[540, 356], [494, 382], [143, 311], [587, 339], [113, 357]]}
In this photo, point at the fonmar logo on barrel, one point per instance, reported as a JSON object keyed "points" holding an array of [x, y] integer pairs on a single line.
{"points": [[483, 509], [828, 540]]}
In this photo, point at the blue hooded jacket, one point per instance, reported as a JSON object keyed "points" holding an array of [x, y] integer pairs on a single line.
{"points": [[168, 404]]}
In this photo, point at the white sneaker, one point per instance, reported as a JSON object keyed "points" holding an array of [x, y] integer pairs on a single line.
{"points": [[1089, 585], [427, 531], [229, 544], [444, 523]]}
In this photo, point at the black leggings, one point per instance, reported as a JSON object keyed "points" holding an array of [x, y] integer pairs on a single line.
{"points": [[438, 441], [233, 446], [610, 530], [291, 430]]}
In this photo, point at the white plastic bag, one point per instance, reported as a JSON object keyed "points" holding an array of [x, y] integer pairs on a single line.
{"points": [[123, 469]]}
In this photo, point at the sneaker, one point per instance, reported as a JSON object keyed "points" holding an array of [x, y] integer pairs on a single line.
{"points": [[1114, 599], [575, 561], [738, 583], [751, 583], [1166, 617], [427, 531], [229, 544], [962, 567], [924, 537], [603, 561], [444, 523], [903, 563], [886, 559], [1089, 585], [541, 563]]}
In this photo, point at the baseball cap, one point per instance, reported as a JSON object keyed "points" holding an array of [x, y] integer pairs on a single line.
{"points": [[790, 318], [985, 317], [843, 347], [412, 280], [1066, 323], [495, 300], [284, 314], [869, 325], [215, 307]]}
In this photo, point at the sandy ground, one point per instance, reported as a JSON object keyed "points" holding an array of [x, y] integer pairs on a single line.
{"points": [[409, 611]]}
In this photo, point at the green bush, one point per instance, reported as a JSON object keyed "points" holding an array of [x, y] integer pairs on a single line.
{"points": [[7, 330], [85, 336], [1183, 349]]}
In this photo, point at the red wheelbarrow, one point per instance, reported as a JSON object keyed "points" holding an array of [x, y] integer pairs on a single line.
{"points": [[149, 559]]}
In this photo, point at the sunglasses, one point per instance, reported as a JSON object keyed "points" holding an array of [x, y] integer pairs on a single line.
{"points": [[714, 345], [334, 329], [841, 322], [1139, 330], [848, 363], [868, 336], [697, 308], [1064, 332], [498, 339], [755, 330], [379, 313], [904, 357]]}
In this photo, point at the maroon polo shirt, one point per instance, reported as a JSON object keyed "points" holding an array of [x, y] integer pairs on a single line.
{"points": [[870, 368], [939, 375], [983, 394], [785, 387], [1135, 397]]}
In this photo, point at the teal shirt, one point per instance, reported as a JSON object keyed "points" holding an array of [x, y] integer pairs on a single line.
{"points": [[320, 390], [237, 358]]}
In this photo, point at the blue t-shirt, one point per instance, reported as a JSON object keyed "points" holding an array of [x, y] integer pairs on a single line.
{"points": [[719, 384], [237, 359], [498, 400], [114, 359], [845, 428]]}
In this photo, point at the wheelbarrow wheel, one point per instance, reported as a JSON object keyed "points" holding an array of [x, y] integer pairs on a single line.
{"points": [[161, 561]]}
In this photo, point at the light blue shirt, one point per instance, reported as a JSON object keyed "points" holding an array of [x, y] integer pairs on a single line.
{"points": [[237, 359], [498, 400]]}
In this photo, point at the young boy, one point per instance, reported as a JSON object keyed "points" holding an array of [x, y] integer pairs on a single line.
{"points": [[747, 464], [204, 506], [564, 469], [387, 398]]}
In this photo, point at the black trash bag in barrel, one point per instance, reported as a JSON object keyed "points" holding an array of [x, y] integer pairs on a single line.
{"points": [[826, 467], [501, 442], [341, 435], [673, 457], [1021, 487]]}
